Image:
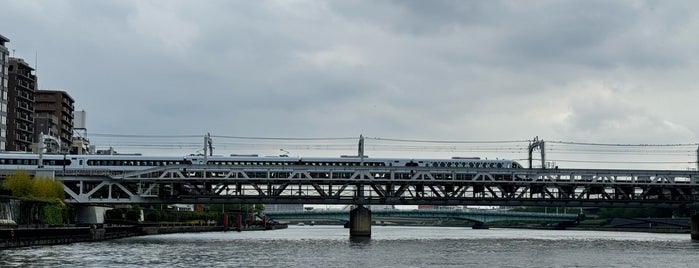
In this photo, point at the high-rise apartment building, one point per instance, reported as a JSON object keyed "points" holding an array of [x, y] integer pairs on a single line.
{"points": [[4, 73], [58, 105], [20, 106]]}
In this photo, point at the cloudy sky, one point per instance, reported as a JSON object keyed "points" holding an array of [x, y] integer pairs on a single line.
{"points": [[582, 71]]}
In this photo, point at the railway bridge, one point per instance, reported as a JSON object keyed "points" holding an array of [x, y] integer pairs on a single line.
{"points": [[384, 185]]}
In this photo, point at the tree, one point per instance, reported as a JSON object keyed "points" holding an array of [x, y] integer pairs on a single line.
{"points": [[23, 186], [19, 183]]}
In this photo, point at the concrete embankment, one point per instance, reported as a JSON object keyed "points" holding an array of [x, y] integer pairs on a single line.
{"points": [[24, 237]]}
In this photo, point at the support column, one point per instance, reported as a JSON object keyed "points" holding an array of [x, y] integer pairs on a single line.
{"points": [[480, 225], [91, 214], [360, 222], [695, 226]]}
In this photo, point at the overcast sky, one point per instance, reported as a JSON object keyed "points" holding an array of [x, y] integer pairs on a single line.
{"points": [[584, 71]]}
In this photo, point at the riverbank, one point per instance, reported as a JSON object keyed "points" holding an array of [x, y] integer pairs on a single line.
{"points": [[26, 237]]}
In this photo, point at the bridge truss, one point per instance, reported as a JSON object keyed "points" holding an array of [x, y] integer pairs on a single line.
{"points": [[191, 184]]}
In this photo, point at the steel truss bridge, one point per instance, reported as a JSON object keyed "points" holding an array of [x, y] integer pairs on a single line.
{"points": [[474, 215], [363, 185]]}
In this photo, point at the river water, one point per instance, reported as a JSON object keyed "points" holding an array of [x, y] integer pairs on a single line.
{"points": [[390, 246]]}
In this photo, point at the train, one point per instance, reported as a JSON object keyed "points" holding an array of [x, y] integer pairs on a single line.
{"points": [[28, 161]]}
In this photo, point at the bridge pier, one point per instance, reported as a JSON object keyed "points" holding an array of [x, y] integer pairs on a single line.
{"points": [[360, 222], [480, 225], [695, 226], [91, 214]]}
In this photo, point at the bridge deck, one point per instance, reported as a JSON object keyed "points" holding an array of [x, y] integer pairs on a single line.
{"points": [[384, 185]]}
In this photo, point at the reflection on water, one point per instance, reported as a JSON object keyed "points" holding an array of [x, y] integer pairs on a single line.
{"points": [[330, 246], [360, 240]]}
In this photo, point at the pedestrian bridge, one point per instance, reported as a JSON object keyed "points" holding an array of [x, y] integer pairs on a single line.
{"points": [[474, 215]]}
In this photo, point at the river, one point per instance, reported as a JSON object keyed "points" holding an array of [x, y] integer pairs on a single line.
{"points": [[390, 246]]}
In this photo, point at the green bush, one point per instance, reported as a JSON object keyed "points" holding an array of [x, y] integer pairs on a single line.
{"points": [[113, 214], [53, 214], [133, 215], [23, 186]]}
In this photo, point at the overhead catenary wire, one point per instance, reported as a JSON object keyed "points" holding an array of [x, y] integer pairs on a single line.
{"points": [[581, 152], [624, 144]]}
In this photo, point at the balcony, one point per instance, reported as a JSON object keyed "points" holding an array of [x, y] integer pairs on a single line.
{"points": [[25, 117], [26, 95], [25, 106], [25, 127]]}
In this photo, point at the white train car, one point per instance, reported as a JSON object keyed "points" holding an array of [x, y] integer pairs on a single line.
{"points": [[17, 161]]}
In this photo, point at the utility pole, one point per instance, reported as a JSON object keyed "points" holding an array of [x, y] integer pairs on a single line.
{"points": [[540, 144], [697, 158], [42, 147], [360, 149], [208, 145]]}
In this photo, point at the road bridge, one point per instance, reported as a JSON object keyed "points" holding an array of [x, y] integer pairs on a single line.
{"points": [[479, 216]]}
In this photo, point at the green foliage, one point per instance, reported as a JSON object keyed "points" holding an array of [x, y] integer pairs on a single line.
{"points": [[19, 183], [113, 214], [53, 214], [133, 215], [45, 188], [23, 186]]}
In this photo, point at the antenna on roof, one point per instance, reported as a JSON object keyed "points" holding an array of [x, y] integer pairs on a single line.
{"points": [[36, 68]]}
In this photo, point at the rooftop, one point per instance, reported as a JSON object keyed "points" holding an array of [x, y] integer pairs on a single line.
{"points": [[22, 63], [3, 39]]}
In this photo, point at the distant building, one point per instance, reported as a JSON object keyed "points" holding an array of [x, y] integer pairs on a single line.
{"points": [[20, 106], [46, 124], [283, 207], [81, 145], [4, 73], [59, 104]]}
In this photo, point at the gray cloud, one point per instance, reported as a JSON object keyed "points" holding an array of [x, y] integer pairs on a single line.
{"points": [[455, 70]]}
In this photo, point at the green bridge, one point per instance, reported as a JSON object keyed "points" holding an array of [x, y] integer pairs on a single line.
{"points": [[479, 216]]}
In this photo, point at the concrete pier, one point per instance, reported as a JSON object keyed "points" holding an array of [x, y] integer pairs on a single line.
{"points": [[695, 226], [91, 214], [360, 222]]}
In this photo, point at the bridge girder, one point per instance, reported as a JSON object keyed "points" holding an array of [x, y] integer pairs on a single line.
{"points": [[384, 185]]}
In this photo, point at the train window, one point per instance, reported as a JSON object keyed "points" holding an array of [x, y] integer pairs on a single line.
{"points": [[499, 165]]}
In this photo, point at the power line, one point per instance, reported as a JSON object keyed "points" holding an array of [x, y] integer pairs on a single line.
{"points": [[616, 162], [143, 136], [624, 144], [444, 141], [284, 138]]}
